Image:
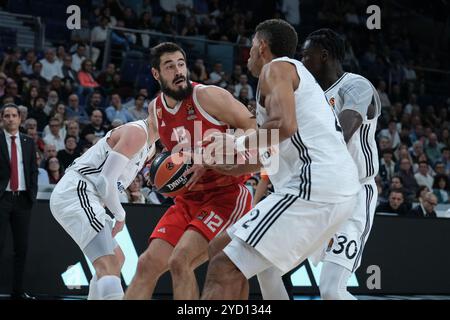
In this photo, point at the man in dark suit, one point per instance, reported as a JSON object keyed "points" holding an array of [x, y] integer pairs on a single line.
{"points": [[426, 207], [18, 190]]}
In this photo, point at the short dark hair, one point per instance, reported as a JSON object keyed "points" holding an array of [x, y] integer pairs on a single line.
{"points": [[398, 190], [439, 177], [397, 177], [330, 41], [423, 162], [9, 105], [280, 35], [68, 137], [162, 48], [419, 191]]}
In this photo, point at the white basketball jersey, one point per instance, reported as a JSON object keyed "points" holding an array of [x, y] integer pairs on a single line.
{"points": [[314, 164], [356, 93], [90, 164]]}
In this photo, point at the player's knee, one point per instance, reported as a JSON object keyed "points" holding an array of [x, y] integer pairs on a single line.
{"points": [[222, 269], [149, 265], [179, 261]]}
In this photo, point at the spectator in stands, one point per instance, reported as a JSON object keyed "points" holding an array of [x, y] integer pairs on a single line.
{"points": [[387, 167], [76, 112], [190, 29], [78, 57], [38, 142], [392, 134], [49, 152], [12, 90], [50, 66], [218, 77], [134, 193], [243, 96], [423, 177], [439, 168], [59, 111], [384, 98], [42, 173], [396, 204], [407, 175], [37, 71], [198, 72], [145, 23], [99, 33], [69, 153], [416, 151], [425, 209], [138, 111], [95, 128], [73, 129], [30, 123], [37, 112], [54, 170], [433, 148], [27, 63], [106, 77], [445, 159], [445, 135], [166, 25], [116, 110], [86, 78], [440, 188], [384, 144], [95, 103], [243, 83], [54, 137], [69, 75], [122, 38], [52, 102], [397, 184], [23, 113]]}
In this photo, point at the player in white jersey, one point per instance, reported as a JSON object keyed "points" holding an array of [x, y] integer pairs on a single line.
{"points": [[357, 104], [93, 181], [311, 198]]}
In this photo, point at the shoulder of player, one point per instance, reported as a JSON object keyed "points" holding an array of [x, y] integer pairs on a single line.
{"points": [[208, 94], [354, 81], [133, 132], [276, 72]]}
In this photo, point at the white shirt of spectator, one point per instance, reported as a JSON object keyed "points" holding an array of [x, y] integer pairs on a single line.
{"points": [[49, 70], [76, 61], [424, 180], [214, 77], [57, 141], [395, 138], [99, 34], [22, 186]]}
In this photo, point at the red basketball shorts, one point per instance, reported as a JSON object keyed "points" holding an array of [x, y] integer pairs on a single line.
{"points": [[209, 212]]}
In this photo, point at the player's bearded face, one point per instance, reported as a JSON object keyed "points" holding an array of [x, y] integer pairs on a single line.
{"points": [[173, 90]]}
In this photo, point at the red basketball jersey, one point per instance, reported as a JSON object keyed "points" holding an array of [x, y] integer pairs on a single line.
{"points": [[186, 124]]}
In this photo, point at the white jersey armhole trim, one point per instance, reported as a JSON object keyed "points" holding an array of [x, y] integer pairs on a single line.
{"points": [[153, 102], [205, 114], [296, 65]]}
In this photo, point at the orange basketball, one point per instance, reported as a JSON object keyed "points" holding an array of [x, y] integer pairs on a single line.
{"points": [[166, 174]]}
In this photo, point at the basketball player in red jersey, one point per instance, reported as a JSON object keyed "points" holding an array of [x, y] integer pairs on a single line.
{"points": [[179, 242]]}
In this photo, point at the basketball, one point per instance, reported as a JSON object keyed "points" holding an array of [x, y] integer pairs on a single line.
{"points": [[166, 174]]}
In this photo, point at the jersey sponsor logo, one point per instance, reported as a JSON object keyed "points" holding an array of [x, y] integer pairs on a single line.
{"points": [[163, 124], [332, 102], [190, 112], [170, 165], [120, 187], [202, 215], [162, 230]]}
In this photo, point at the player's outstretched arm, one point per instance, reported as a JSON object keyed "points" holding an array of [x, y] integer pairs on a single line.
{"points": [[125, 142]]}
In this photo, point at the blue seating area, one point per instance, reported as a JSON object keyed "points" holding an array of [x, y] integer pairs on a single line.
{"points": [[8, 37]]}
